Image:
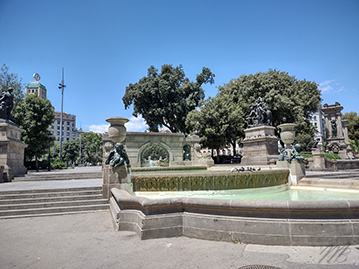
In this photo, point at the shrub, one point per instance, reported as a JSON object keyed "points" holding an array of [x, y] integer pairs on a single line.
{"points": [[332, 156], [57, 164]]}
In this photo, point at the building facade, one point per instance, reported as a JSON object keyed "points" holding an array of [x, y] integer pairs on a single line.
{"points": [[317, 119], [68, 129]]}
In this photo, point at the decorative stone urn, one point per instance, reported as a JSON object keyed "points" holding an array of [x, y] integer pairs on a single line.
{"points": [[117, 129], [297, 169], [115, 177], [287, 134]]}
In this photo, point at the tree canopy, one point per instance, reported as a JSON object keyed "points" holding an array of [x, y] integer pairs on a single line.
{"points": [[289, 99], [164, 99], [10, 80], [353, 129], [35, 115]]}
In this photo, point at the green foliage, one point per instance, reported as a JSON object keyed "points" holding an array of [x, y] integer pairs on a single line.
{"points": [[332, 156], [166, 98], [306, 155], [56, 163], [70, 151], [354, 144], [219, 122], [8, 80], [222, 120], [305, 141], [35, 115], [91, 144], [353, 125]]}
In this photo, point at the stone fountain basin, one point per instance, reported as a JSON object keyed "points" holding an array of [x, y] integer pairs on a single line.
{"points": [[297, 223]]}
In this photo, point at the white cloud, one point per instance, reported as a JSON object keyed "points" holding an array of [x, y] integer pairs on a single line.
{"points": [[326, 86], [136, 124], [99, 128], [329, 86]]}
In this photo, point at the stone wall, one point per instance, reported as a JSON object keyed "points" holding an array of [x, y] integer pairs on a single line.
{"points": [[293, 223], [137, 143]]}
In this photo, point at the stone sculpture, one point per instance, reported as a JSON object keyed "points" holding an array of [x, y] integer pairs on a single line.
{"points": [[283, 154], [118, 156], [334, 128], [295, 155], [6, 104], [259, 114]]}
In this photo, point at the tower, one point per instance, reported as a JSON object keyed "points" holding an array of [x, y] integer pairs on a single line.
{"points": [[36, 87]]}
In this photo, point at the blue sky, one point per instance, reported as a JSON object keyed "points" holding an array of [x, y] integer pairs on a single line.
{"points": [[105, 45]]}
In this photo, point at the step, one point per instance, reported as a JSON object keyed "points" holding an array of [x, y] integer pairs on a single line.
{"points": [[20, 200], [11, 207], [64, 209], [47, 194], [57, 176], [51, 214], [329, 182], [98, 188]]}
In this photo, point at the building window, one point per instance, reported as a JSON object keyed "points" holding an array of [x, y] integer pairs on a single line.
{"points": [[58, 127], [58, 133], [58, 138], [68, 123], [315, 117], [68, 133], [52, 127], [68, 128], [58, 122]]}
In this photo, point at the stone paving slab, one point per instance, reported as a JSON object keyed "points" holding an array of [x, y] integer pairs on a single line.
{"points": [[89, 241], [54, 184]]}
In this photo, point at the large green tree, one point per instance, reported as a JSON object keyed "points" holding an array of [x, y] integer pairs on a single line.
{"points": [[34, 115], [353, 129], [10, 80], [91, 147], [289, 99], [218, 122], [70, 151], [165, 98]]}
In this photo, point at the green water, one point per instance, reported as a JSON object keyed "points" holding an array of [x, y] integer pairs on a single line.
{"points": [[278, 193]]}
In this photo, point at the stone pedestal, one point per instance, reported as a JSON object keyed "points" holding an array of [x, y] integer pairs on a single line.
{"points": [[260, 146], [297, 170], [318, 160], [11, 151], [115, 177]]}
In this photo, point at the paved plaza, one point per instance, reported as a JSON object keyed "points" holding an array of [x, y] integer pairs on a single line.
{"points": [[90, 241]]}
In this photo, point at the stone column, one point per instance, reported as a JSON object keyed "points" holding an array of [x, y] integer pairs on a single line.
{"points": [[115, 177]]}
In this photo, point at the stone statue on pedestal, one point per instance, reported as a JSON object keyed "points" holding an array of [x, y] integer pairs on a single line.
{"points": [[259, 115], [118, 156], [6, 105]]}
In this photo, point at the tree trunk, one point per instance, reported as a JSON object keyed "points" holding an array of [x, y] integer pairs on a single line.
{"points": [[234, 148], [36, 163]]}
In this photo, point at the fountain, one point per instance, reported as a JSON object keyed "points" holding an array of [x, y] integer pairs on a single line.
{"points": [[303, 223]]}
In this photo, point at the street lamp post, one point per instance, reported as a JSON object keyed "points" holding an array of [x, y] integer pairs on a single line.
{"points": [[62, 87], [80, 152], [49, 156]]}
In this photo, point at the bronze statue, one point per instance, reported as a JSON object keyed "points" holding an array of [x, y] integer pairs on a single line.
{"points": [[334, 128], [6, 104], [259, 114], [117, 156], [283, 154], [295, 155]]}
